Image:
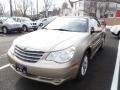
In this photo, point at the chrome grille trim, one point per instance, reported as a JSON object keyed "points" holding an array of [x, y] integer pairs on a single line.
{"points": [[25, 59], [27, 55], [36, 53]]}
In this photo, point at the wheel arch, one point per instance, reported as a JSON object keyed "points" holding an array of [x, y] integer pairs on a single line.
{"points": [[87, 50], [5, 27], [24, 25]]}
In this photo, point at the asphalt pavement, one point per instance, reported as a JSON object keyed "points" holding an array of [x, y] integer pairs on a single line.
{"points": [[98, 77]]}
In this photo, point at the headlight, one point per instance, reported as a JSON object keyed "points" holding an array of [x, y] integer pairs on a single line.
{"points": [[62, 56]]}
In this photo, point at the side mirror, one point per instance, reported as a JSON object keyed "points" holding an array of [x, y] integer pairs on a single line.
{"points": [[41, 24], [92, 30], [41, 27]]}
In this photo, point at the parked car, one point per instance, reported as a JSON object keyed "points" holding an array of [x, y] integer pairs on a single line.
{"points": [[3, 18], [39, 22], [45, 21], [116, 30], [9, 25], [59, 52], [27, 24]]}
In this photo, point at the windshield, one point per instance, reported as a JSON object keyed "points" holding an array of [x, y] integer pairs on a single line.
{"points": [[25, 19], [69, 24], [9, 20]]}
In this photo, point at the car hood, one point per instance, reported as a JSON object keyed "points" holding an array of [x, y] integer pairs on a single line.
{"points": [[49, 40]]}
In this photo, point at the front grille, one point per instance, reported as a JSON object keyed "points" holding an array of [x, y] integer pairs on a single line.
{"points": [[27, 55], [34, 23]]}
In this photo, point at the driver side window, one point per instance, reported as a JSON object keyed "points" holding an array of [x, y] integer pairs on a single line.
{"points": [[18, 20], [94, 24]]}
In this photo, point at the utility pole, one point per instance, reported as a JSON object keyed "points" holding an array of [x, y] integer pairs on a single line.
{"points": [[11, 14], [37, 8], [24, 13], [31, 9]]}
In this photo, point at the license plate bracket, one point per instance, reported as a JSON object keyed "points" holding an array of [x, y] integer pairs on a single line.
{"points": [[21, 68]]}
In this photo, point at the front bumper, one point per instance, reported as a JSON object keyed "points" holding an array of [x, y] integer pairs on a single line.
{"points": [[33, 27], [54, 81], [40, 71]]}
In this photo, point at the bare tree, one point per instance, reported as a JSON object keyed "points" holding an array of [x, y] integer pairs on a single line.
{"points": [[37, 7], [56, 11], [64, 6], [2, 9], [92, 7], [23, 6], [11, 13], [31, 6], [16, 11], [47, 6]]}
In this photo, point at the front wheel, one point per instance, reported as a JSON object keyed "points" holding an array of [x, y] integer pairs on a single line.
{"points": [[83, 66], [25, 29]]}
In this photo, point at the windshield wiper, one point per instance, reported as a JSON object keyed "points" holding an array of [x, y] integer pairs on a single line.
{"points": [[61, 29]]}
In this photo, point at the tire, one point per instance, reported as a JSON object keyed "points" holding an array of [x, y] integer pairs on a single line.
{"points": [[25, 29], [5, 30], [83, 66], [34, 29], [119, 35]]}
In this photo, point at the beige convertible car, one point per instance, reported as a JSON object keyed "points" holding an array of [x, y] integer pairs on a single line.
{"points": [[59, 51]]}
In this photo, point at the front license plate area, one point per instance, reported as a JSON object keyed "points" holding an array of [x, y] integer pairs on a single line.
{"points": [[21, 68]]}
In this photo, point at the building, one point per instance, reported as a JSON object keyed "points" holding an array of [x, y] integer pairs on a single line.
{"points": [[101, 8]]}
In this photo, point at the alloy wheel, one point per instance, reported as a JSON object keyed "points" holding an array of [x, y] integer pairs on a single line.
{"points": [[4, 30], [84, 65]]}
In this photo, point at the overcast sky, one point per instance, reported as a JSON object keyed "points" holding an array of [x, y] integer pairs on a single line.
{"points": [[57, 3]]}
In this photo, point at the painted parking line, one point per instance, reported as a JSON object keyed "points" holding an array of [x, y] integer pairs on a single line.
{"points": [[114, 85], [1, 56], [5, 66], [2, 35]]}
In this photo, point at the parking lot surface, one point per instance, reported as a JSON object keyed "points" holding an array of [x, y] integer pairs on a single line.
{"points": [[99, 76]]}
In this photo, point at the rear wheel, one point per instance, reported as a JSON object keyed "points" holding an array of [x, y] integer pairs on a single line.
{"points": [[25, 29], [83, 66], [5, 30]]}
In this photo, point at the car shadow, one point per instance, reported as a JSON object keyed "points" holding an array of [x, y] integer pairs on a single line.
{"points": [[26, 84], [13, 34], [98, 77]]}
